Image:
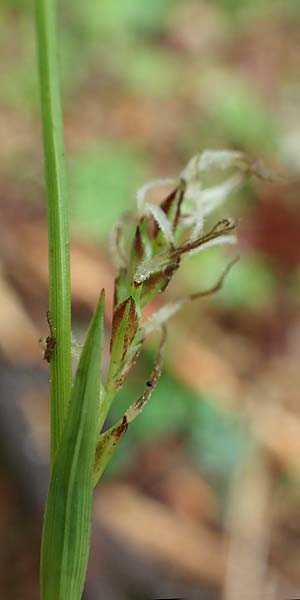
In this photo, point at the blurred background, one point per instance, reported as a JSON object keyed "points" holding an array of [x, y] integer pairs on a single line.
{"points": [[202, 499]]}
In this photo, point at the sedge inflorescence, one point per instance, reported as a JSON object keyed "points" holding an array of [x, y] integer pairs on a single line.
{"points": [[163, 235]]}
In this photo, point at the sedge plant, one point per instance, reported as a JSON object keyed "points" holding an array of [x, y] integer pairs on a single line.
{"points": [[159, 238]]}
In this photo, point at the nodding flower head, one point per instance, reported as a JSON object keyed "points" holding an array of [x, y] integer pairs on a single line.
{"points": [[178, 224], [167, 232], [197, 201]]}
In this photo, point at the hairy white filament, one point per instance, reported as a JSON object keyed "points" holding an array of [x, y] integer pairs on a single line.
{"points": [[142, 192]]}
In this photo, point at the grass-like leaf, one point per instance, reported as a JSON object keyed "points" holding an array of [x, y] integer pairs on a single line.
{"points": [[67, 526], [58, 218]]}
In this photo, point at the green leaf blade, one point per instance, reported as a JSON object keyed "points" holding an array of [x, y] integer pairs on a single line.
{"points": [[67, 525], [58, 219]]}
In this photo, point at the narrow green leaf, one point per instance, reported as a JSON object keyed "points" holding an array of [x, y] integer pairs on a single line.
{"points": [[67, 525], [58, 223]]}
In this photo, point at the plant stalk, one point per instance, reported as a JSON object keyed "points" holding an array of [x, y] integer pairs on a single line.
{"points": [[58, 223]]}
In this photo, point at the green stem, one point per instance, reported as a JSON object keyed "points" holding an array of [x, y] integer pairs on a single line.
{"points": [[58, 227]]}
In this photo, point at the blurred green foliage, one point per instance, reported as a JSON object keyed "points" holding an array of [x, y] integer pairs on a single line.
{"points": [[236, 116], [103, 182], [152, 72], [111, 18], [244, 120], [239, 13], [17, 61], [217, 439]]}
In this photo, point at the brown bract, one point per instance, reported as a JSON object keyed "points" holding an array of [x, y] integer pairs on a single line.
{"points": [[125, 316]]}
